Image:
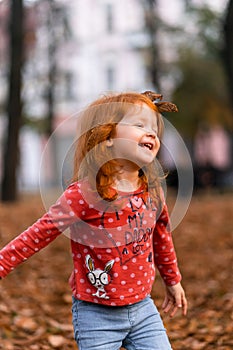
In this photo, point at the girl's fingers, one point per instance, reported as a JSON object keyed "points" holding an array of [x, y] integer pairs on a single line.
{"points": [[168, 306], [175, 308], [185, 306], [171, 308], [165, 302]]}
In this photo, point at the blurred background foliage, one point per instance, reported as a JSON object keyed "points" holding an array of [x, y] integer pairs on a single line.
{"points": [[187, 56], [201, 90]]}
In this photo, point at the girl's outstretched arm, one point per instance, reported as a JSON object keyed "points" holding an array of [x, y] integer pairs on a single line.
{"points": [[60, 216]]}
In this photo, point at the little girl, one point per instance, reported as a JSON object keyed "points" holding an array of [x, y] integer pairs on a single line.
{"points": [[119, 227]]}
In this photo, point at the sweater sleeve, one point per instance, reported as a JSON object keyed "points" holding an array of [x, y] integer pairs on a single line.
{"points": [[59, 217], [164, 253]]}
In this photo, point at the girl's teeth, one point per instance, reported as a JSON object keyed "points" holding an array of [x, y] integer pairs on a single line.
{"points": [[147, 145]]}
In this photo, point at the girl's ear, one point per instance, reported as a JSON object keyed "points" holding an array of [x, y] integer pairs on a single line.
{"points": [[109, 142]]}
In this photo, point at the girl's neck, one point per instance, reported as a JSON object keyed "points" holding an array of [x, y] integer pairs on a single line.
{"points": [[127, 181]]}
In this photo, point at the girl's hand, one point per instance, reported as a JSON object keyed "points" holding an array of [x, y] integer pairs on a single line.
{"points": [[175, 299]]}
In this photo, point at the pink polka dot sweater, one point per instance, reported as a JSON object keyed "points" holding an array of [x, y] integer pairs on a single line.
{"points": [[115, 245]]}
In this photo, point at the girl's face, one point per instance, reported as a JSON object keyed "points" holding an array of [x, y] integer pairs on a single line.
{"points": [[136, 140]]}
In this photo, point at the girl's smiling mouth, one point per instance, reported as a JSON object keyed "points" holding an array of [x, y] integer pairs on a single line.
{"points": [[147, 145]]}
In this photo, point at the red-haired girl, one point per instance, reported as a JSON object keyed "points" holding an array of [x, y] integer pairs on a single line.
{"points": [[119, 227]]}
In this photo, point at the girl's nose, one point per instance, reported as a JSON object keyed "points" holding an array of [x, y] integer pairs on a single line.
{"points": [[151, 134]]}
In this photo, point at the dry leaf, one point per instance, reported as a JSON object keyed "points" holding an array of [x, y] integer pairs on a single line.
{"points": [[56, 340], [67, 298], [61, 326], [26, 323]]}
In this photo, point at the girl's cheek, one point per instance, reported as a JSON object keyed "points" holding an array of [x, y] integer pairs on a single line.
{"points": [[157, 147]]}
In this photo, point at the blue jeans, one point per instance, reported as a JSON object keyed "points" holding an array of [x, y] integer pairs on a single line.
{"points": [[134, 327]]}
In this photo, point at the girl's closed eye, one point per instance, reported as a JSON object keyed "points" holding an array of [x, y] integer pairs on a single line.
{"points": [[139, 125]]}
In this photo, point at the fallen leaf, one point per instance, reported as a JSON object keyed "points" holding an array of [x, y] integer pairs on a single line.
{"points": [[56, 340], [26, 323], [60, 326]]}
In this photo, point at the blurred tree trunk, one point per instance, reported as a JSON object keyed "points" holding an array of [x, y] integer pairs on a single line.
{"points": [[52, 76], [228, 49], [54, 28], [152, 25], [14, 107], [52, 48]]}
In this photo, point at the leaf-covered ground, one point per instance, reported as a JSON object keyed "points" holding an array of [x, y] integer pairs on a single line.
{"points": [[35, 299]]}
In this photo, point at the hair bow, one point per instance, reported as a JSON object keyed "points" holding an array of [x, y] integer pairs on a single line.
{"points": [[163, 106]]}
